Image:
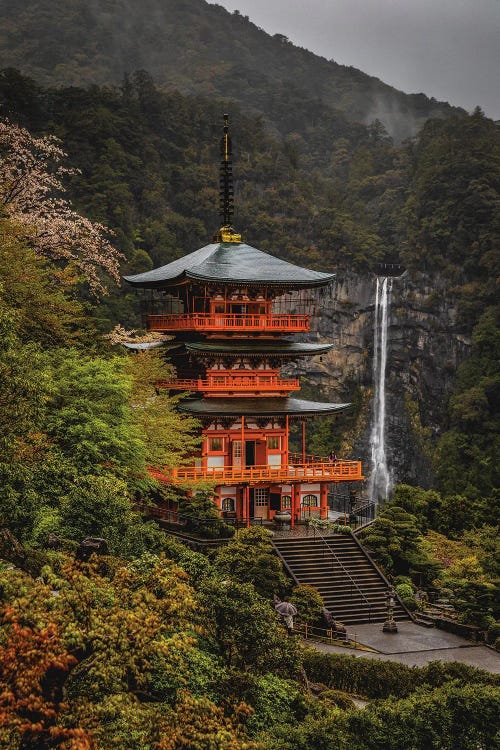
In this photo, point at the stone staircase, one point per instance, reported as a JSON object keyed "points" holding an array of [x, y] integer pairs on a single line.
{"points": [[353, 588]]}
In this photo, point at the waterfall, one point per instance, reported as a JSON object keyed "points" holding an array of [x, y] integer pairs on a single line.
{"points": [[380, 482]]}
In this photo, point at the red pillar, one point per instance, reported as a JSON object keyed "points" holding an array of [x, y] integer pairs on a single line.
{"points": [[243, 461], [293, 507], [323, 501], [287, 432], [246, 495], [303, 441]]}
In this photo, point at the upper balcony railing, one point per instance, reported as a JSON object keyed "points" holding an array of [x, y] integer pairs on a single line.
{"points": [[213, 322], [236, 384], [341, 471]]}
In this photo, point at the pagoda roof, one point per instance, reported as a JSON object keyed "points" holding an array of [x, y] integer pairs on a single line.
{"points": [[257, 348], [142, 345], [259, 407], [231, 263]]}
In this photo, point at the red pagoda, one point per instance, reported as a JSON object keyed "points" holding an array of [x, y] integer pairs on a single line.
{"points": [[231, 310]]}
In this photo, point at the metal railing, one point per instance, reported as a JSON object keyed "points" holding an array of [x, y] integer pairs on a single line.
{"points": [[325, 635], [227, 321], [344, 570], [364, 514]]}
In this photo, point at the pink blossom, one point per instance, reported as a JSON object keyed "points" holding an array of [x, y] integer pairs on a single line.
{"points": [[32, 197]]}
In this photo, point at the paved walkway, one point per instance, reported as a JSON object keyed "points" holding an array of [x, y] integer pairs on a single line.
{"points": [[410, 637], [417, 646]]}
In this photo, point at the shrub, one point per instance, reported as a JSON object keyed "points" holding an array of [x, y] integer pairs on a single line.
{"points": [[250, 558], [338, 698], [377, 679], [309, 603]]}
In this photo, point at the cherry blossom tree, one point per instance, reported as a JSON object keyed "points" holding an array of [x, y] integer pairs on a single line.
{"points": [[32, 196]]}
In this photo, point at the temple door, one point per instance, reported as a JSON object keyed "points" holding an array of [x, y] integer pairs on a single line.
{"points": [[236, 453], [261, 502], [249, 452]]}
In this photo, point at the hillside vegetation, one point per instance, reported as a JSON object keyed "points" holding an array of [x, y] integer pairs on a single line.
{"points": [[200, 48], [147, 169]]}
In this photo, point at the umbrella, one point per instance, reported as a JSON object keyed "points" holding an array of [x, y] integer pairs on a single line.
{"points": [[286, 609]]}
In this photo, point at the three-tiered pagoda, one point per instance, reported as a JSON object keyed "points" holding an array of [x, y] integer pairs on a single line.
{"points": [[231, 310]]}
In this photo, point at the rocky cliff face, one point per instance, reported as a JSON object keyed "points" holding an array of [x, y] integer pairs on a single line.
{"points": [[425, 347]]}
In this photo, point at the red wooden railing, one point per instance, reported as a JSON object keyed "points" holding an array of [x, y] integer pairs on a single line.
{"points": [[227, 322], [324, 471], [230, 383]]}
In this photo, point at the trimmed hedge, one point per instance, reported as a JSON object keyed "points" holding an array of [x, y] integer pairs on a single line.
{"points": [[381, 679]]}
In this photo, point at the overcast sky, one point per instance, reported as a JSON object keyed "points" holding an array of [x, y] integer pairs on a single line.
{"points": [[449, 49]]}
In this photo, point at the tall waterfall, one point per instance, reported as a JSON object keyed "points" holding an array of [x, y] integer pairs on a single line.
{"points": [[380, 482]]}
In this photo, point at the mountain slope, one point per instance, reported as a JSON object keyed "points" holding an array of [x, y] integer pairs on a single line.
{"points": [[198, 48]]}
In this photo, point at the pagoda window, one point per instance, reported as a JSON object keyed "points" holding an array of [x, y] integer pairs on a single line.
{"points": [[273, 443], [286, 502], [216, 445], [309, 501], [260, 497], [228, 504]]}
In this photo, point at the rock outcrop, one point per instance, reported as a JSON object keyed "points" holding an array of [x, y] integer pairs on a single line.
{"points": [[425, 347]]}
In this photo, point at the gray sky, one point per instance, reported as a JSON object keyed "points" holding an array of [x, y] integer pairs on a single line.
{"points": [[449, 49]]}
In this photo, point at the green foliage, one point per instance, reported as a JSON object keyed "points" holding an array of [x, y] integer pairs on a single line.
{"points": [[250, 558], [309, 603], [246, 630], [100, 507], [398, 543], [405, 593], [275, 700], [338, 698], [203, 516], [425, 505], [381, 679], [90, 414], [467, 459]]}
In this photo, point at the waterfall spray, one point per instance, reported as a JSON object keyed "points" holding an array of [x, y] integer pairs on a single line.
{"points": [[380, 483]]}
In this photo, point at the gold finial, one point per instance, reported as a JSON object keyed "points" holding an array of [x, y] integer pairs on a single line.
{"points": [[226, 194]]}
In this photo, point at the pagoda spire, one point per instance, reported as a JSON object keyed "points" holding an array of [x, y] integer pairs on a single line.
{"points": [[226, 233]]}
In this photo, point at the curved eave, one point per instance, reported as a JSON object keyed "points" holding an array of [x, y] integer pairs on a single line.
{"points": [[232, 265], [143, 345], [274, 282], [185, 276], [260, 407], [281, 349]]}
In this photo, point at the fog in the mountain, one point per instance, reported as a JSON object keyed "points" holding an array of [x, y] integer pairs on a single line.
{"points": [[447, 49]]}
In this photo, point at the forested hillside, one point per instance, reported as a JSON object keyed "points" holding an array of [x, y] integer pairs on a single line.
{"points": [[147, 164], [200, 48], [150, 646], [148, 169]]}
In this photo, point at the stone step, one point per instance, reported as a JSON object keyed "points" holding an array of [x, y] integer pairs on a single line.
{"points": [[329, 566]]}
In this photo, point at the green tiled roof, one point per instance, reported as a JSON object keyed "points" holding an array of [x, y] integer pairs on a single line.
{"points": [[259, 407], [257, 348], [231, 263]]}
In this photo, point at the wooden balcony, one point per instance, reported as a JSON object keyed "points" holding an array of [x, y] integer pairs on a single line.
{"points": [[228, 322], [236, 385], [340, 471]]}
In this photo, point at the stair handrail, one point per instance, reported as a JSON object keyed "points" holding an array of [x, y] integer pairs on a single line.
{"points": [[380, 573], [353, 582]]}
